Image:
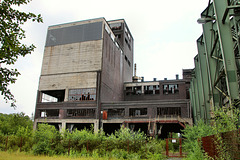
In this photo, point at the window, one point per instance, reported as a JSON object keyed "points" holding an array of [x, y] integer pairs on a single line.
{"points": [[116, 26], [115, 113], [80, 112], [53, 96], [85, 94], [136, 112], [170, 89], [169, 111], [49, 113], [151, 89]]}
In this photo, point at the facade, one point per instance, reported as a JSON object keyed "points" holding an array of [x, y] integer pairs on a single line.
{"points": [[86, 79]]}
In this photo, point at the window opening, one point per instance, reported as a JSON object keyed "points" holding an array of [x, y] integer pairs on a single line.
{"points": [[136, 90], [53, 96], [116, 26], [49, 113], [80, 112], [170, 88], [84, 94], [116, 113], [136, 112], [151, 89], [169, 111]]}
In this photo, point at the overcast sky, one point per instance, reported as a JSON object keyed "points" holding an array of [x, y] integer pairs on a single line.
{"points": [[164, 32]]}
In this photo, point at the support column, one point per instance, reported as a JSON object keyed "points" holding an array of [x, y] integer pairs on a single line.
{"points": [[66, 95], [204, 77], [211, 64], [226, 44], [200, 88], [96, 126], [63, 125]]}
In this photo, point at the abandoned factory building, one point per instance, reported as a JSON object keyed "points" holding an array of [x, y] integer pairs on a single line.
{"points": [[87, 79]]}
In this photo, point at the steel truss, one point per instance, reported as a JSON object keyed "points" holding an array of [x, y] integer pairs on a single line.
{"points": [[216, 74]]}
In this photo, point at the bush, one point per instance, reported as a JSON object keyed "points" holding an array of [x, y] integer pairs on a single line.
{"points": [[46, 138]]}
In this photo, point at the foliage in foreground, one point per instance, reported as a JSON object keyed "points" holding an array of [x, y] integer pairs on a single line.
{"points": [[46, 140], [226, 119], [11, 36]]}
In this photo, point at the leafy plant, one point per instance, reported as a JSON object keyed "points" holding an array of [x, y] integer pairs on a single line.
{"points": [[11, 35]]}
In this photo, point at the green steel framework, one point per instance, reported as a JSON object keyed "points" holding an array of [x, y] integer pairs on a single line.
{"points": [[215, 78]]}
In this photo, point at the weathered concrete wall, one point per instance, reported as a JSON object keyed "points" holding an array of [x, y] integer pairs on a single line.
{"points": [[70, 58], [71, 80], [111, 78], [126, 41]]}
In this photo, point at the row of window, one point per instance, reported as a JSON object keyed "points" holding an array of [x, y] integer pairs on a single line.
{"points": [[152, 89], [115, 113]]}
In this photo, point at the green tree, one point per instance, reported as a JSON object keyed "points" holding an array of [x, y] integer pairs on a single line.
{"points": [[11, 47], [10, 124]]}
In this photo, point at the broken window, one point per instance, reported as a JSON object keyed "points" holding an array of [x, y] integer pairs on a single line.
{"points": [[136, 112], [170, 88], [80, 112], [84, 94], [115, 113], [169, 111], [53, 96], [49, 113], [136, 90], [151, 89], [116, 26]]}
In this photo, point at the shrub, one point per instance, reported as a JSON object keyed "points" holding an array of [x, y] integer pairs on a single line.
{"points": [[46, 137]]}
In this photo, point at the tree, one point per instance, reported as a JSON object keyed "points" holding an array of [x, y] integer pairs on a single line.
{"points": [[10, 124], [11, 47]]}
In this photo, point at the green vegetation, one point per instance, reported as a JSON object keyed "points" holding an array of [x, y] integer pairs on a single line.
{"points": [[226, 119], [46, 140], [16, 134], [11, 36]]}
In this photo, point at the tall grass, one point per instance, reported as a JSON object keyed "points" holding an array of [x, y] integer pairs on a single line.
{"points": [[25, 156]]}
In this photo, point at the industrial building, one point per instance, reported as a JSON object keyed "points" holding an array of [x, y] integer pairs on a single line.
{"points": [[87, 79]]}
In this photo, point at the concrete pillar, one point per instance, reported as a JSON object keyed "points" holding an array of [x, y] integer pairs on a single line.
{"points": [[66, 95], [96, 124], [35, 124], [63, 125]]}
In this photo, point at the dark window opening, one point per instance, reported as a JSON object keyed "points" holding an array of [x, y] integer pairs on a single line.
{"points": [[53, 96], [151, 89], [116, 113], [139, 126], [118, 36], [137, 90], [170, 89], [49, 113], [187, 94], [111, 128], [126, 58], [129, 46], [169, 111], [136, 112], [115, 26], [129, 63], [80, 112], [82, 94]]}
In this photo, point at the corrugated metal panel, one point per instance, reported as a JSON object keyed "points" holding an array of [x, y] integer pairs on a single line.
{"points": [[74, 34]]}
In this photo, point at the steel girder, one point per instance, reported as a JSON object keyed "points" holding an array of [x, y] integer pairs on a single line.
{"points": [[215, 79]]}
